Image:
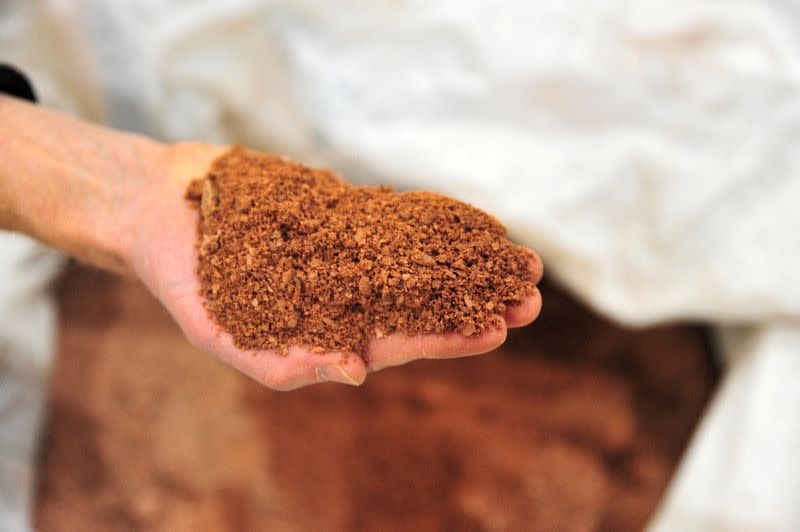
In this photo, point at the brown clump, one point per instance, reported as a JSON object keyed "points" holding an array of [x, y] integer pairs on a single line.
{"points": [[291, 255]]}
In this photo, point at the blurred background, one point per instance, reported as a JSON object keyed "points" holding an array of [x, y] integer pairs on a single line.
{"points": [[647, 150], [575, 424]]}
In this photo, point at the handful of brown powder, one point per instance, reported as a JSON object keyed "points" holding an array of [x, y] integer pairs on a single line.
{"points": [[291, 255]]}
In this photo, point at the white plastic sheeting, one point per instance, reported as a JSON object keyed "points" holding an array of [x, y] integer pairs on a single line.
{"points": [[647, 149]]}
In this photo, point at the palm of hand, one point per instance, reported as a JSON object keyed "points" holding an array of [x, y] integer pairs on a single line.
{"points": [[163, 254]]}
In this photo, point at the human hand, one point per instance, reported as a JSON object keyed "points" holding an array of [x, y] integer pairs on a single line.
{"points": [[163, 254], [116, 201]]}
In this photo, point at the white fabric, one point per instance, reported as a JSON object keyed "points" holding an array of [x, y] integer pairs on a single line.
{"points": [[740, 473], [22, 401], [647, 149], [27, 327], [40, 38]]}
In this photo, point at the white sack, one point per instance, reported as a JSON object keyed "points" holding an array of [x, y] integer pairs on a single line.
{"points": [[648, 150]]}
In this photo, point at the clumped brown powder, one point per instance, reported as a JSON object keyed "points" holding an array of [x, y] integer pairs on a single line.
{"points": [[291, 255]]}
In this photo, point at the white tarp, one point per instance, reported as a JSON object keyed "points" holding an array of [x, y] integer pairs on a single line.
{"points": [[648, 150]]}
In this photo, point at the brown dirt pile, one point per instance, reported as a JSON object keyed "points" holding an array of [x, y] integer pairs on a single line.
{"points": [[554, 431], [291, 255]]}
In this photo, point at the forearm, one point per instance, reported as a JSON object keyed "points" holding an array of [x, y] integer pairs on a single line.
{"points": [[67, 182]]}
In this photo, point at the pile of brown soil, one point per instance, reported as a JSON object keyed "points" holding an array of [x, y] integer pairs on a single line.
{"points": [[291, 255], [574, 425]]}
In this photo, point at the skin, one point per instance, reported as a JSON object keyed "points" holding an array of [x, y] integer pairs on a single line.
{"points": [[116, 201]]}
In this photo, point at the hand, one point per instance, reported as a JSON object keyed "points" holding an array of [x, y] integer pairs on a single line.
{"points": [[163, 254], [116, 201]]}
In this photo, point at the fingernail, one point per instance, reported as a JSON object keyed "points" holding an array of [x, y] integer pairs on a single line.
{"points": [[335, 374]]}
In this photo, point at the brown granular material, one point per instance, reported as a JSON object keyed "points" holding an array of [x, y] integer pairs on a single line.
{"points": [[291, 255], [556, 431]]}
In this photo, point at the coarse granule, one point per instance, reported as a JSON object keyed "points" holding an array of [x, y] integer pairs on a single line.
{"points": [[291, 255]]}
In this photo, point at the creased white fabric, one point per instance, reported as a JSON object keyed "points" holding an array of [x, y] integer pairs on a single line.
{"points": [[648, 149]]}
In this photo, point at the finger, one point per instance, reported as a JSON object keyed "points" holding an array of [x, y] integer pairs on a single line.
{"points": [[192, 160], [181, 297], [297, 368], [536, 267], [525, 312], [398, 349]]}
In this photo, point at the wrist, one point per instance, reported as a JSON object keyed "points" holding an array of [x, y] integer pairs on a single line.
{"points": [[121, 194], [70, 183]]}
